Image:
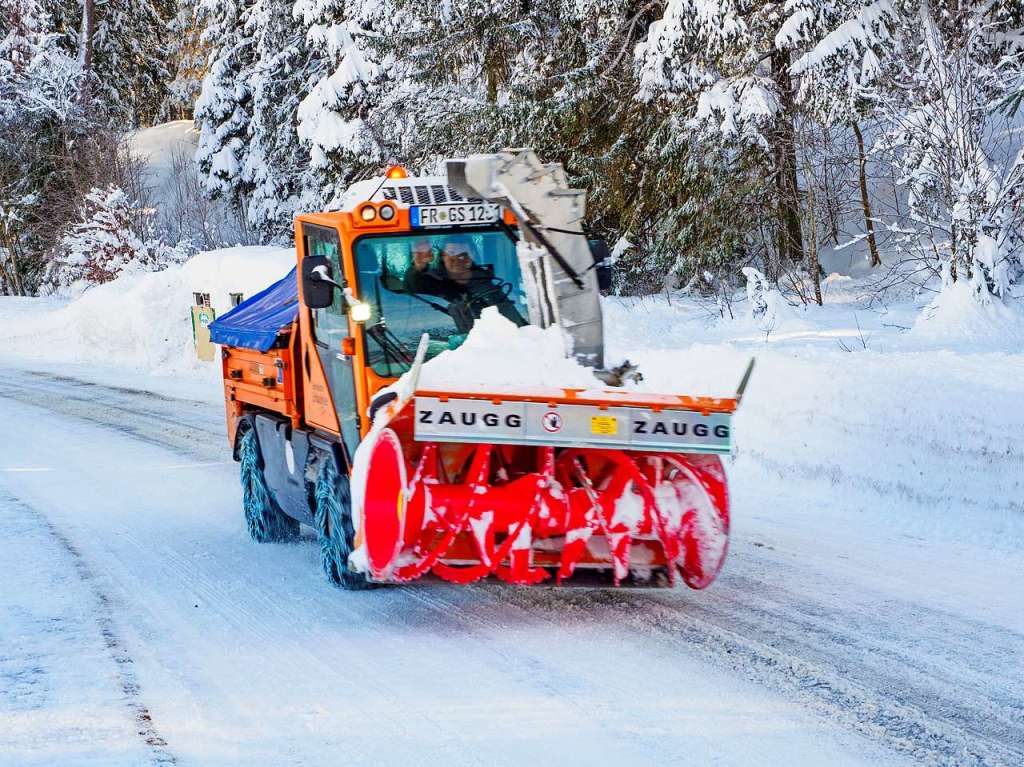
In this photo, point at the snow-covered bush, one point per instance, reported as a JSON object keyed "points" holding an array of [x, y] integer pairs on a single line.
{"points": [[104, 244], [768, 308], [960, 160]]}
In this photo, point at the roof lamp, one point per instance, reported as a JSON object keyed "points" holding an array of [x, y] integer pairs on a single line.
{"points": [[396, 171]]}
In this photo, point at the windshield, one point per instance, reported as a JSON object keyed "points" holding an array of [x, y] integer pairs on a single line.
{"points": [[434, 283]]}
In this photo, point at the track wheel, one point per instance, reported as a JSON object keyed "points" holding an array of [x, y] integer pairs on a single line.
{"points": [[263, 517], [334, 525]]}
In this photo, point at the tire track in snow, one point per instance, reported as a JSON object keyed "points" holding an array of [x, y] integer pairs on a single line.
{"points": [[181, 425], [940, 732], [158, 420], [838, 663], [826, 668], [103, 614]]}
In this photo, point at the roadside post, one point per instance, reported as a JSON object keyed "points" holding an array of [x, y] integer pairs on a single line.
{"points": [[202, 315]]}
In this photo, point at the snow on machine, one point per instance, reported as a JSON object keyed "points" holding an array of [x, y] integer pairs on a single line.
{"points": [[333, 428]]}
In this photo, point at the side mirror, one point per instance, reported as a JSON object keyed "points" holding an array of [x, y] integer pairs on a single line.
{"points": [[318, 285], [602, 256]]}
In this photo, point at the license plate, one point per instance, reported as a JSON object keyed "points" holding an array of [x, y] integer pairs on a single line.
{"points": [[466, 214]]}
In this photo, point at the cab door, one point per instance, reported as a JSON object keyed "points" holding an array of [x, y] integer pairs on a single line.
{"points": [[328, 327]]}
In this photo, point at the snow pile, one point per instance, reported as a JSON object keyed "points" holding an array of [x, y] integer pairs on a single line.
{"points": [[767, 309], [140, 321], [498, 355], [957, 313]]}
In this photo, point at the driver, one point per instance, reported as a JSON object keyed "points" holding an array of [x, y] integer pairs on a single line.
{"points": [[458, 278]]}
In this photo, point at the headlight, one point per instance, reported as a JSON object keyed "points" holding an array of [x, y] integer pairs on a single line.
{"points": [[386, 212], [368, 213], [359, 311]]}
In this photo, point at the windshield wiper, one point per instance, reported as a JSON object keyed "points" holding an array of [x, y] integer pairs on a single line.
{"points": [[394, 350]]}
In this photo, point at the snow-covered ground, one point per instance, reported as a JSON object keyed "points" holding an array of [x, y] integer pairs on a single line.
{"points": [[870, 611], [139, 322], [159, 148]]}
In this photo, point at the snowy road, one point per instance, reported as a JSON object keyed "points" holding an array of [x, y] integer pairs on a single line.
{"points": [[138, 625]]}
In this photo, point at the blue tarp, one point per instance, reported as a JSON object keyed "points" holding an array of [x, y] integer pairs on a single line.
{"points": [[256, 322]]}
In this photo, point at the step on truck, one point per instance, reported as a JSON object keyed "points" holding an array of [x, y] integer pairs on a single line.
{"points": [[331, 429]]}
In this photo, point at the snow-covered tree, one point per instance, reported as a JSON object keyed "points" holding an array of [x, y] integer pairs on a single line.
{"points": [[129, 48], [716, 64], [276, 167], [960, 160], [356, 115], [188, 55], [105, 244], [840, 50], [39, 106], [934, 76], [223, 111], [260, 69]]}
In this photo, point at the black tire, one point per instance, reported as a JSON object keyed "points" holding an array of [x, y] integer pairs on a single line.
{"points": [[333, 501], [263, 517]]}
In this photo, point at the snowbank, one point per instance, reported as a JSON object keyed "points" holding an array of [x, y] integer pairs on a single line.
{"points": [[498, 355], [139, 321], [956, 313]]}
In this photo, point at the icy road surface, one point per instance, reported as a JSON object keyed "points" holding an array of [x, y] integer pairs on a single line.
{"points": [[139, 625]]}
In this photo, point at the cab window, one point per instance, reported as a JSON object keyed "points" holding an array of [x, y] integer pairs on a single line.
{"points": [[436, 283]]}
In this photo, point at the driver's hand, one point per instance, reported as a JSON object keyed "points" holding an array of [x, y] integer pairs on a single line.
{"points": [[421, 259]]}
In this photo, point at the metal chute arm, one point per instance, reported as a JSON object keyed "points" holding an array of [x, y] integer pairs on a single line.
{"points": [[555, 260]]}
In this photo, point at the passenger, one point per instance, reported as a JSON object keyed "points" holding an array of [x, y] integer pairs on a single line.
{"points": [[458, 279], [422, 254]]}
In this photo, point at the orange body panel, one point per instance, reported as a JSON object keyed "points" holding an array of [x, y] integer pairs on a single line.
{"points": [[264, 380], [320, 411], [601, 399]]}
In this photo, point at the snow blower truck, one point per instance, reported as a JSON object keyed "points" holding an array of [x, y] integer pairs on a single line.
{"points": [[330, 427]]}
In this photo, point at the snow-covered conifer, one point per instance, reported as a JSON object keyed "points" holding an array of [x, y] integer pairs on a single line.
{"points": [[223, 111], [715, 63], [129, 70], [39, 106], [338, 117], [275, 167], [260, 69], [104, 244], [188, 60]]}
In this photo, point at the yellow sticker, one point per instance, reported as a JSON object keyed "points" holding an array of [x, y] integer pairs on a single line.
{"points": [[604, 424]]}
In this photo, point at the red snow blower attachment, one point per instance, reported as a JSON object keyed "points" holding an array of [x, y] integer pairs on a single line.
{"points": [[539, 485]]}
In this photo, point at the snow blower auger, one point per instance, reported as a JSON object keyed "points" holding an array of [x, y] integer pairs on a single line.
{"points": [[531, 485]]}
